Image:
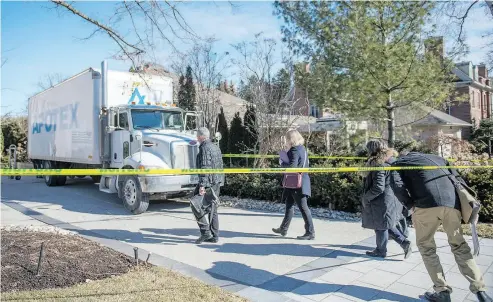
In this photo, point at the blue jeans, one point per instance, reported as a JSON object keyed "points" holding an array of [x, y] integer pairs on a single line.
{"points": [[382, 237]]}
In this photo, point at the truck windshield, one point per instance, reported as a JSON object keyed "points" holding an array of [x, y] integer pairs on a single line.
{"points": [[157, 119]]}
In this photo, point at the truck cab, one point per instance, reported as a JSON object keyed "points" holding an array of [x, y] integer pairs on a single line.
{"points": [[149, 136]]}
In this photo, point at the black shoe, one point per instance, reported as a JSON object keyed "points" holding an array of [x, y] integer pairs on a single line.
{"points": [[483, 297], [438, 297], [406, 246], [376, 253], [203, 238], [306, 237], [279, 231], [213, 240]]}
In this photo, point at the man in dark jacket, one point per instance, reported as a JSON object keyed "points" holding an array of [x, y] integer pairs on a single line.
{"points": [[204, 203], [436, 203]]}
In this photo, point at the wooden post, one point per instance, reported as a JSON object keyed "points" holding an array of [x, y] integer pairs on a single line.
{"points": [[136, 255], [40, 259]]}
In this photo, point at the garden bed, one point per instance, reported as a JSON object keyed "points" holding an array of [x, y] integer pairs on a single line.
{"points": [[68, 260]]}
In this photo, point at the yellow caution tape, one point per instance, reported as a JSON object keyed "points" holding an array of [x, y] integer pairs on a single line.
{"points": [[75, 172]]}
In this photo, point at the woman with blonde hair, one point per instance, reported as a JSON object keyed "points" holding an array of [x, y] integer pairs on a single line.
{"points": [[381, 208], [297, 187]]}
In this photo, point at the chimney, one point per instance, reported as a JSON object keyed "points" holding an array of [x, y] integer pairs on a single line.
{"points": [[482, 71], [435, 46]]}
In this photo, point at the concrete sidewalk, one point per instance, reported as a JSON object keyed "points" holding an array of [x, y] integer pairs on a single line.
{"points": [[249, 260]]}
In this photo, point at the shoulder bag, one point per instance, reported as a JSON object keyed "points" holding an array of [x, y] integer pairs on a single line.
{"points": [[294, 180]]}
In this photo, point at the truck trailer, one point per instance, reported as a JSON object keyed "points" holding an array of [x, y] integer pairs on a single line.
{"points": [[108, 119]]}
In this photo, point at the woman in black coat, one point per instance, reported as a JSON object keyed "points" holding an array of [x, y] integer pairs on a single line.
{"points": [[381, 208], [298, 158]]}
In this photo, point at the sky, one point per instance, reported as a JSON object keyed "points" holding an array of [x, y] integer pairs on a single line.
{"points": [[36, 40]]}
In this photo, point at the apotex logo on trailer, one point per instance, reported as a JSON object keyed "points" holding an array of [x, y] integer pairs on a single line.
{"points": [[61, 118]]}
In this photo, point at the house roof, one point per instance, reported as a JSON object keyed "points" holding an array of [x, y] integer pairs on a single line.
{"points": [[464, 78], [437, 117]]}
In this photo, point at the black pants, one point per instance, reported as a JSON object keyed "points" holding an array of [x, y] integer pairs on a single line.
{"points": [[402, 227], [291, 196], [211, 225], [382, 238]]}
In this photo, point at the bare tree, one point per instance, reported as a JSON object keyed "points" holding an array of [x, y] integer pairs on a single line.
{"points": [[208, 67], [456, 13], [137, 27], [49, 81], [274, 104]]}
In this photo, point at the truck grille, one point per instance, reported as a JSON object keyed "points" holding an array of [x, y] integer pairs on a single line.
{"points": [[184, 156]]}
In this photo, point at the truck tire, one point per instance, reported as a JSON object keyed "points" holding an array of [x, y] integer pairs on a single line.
{"points": [[96, 178], [50, 180], [133, 198], [61, 180]]}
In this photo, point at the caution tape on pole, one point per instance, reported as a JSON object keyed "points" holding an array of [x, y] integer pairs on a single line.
{"points": [[75, 172]]}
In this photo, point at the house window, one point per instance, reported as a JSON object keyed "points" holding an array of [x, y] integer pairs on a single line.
{"points": [[473, 103], [314, 111]]}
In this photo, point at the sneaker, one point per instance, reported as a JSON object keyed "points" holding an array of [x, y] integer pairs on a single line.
{"points": [[483, 297], [438, 297], [406, 246], [306, 237], [203, 238], [376, 253], [279, 231]]}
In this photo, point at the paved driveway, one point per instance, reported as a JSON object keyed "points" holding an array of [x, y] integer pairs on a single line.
{"points": [[249, 259]]}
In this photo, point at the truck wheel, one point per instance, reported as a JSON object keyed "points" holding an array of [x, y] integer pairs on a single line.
{"points": [[61, 180], [50, 180], [96, 178], [133, 198]]}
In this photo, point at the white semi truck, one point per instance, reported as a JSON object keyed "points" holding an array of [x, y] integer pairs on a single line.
{"points": [[112, 120]]}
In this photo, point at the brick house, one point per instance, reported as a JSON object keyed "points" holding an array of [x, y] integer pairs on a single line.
{"points": [[474, 89], [472, 84]]}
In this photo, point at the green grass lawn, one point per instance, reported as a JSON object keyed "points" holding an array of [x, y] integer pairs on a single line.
{"points": [[142, 284]]}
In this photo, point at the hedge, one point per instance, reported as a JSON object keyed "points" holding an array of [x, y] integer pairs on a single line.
{"points": [[481, 181], [342, 190]]}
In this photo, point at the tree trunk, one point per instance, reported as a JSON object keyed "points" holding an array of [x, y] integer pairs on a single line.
{"points": [[391, 121]]}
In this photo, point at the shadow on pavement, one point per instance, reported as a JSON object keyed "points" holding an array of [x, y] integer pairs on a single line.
{"points": [[78, 195], [289, 284], [183, 232], [83, 196]]}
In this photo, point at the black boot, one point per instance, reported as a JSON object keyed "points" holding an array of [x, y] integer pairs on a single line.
{"points": [[406, 246], [483, 297], [213, 240], [203, 238], [376, 253], [279, 231], [306, 237], [438, 297]]}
